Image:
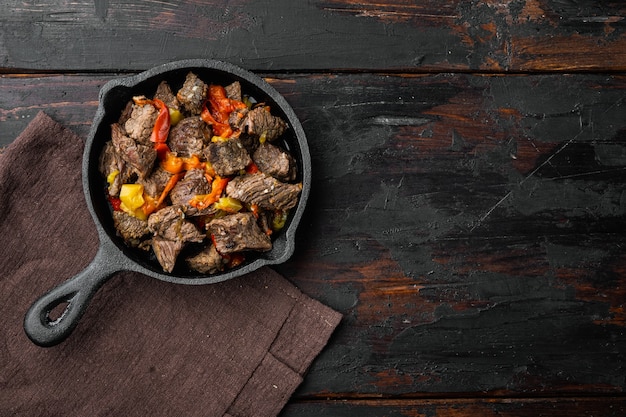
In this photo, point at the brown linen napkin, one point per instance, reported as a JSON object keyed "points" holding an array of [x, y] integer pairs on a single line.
{"points": [[144, 347]]}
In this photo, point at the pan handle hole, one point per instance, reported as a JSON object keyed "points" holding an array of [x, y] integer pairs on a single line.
{"points": [[57, 311]]}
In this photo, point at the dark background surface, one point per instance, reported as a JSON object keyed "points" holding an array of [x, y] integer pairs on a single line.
{"points": [[469, 160]]}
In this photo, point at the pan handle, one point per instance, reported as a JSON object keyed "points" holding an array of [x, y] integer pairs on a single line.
{"points": [[77, 293]]}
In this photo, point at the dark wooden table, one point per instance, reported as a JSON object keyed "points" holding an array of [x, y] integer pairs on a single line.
{"points": [[468, 206]]}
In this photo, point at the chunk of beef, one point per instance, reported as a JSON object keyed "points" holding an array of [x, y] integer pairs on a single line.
{"points": [[194, 183], [260, 121], [140, 158], [236, 121], [265, 221], [238, 232], [192, 94], [171, 233], [166, 251], [265, 191], [227, 157], [249, 142], [170, 223], [275, 162], [139, 125], [154, 184], [130, 228], [237, 117], [108, 160], [165, 94], [233, 91], [189, 136], [126, 113], [112, 166], [207, 261]]}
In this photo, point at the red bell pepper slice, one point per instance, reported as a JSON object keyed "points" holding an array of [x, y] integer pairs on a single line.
{"points": [[162, 150], [219, 110], [217, 187], [161, 128], [153, 205], [115, 203], [219, 129], [252, 168]]}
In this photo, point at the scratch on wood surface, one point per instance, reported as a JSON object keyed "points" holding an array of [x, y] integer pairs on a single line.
{"points": [[362, 103], [533, 172], [588, 173], [375, 11], [596, 19], [399, 121], [488, 212], [392, 14]]}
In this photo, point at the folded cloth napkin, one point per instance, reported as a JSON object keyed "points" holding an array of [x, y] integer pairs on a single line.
{"points": [[144, 347]]}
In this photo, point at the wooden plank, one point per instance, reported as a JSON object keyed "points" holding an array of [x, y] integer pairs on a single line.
{"points": [[425, 36], [470, 228], [517, 407], [70, 99]]}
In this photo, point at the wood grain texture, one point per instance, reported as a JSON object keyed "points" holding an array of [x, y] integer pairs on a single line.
{"points": [[527, 407], [425, 36], [469, 227]]}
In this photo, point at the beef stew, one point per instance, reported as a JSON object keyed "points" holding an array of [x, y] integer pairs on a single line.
{"points": [[182, 177]]}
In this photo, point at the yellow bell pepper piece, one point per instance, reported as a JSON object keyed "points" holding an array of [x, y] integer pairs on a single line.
{"points": [[279, 220], [175, 116], [139, 213], [218, 139], [111, 176], [131, 196], [228, 204]]}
